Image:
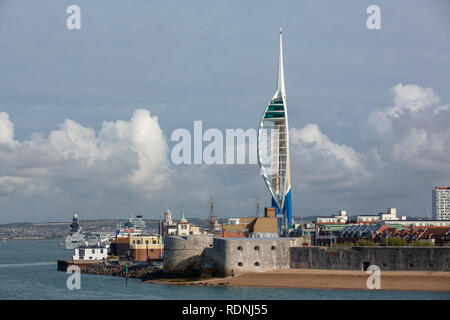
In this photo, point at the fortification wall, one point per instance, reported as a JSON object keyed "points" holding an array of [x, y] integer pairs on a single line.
{"points": [[194, 255], [359, 258], [183, 255], [240, 255]]}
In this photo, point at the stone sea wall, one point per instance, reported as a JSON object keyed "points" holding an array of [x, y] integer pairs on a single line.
{"points": [[198, 255], [185, 255], [359, 258], [106, 268]]}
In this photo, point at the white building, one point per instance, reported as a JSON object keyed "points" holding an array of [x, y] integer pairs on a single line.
{"points": [[168, 217], [365, 219], [390, 215], [234, 221], [441, 203], [90, 253], [341, 217], [418, 223]]}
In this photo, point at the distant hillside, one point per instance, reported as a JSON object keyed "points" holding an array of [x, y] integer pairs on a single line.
{"points": [[59, 230]]}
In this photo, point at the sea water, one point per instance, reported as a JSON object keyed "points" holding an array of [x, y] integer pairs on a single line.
{"points": [[28, 271]]}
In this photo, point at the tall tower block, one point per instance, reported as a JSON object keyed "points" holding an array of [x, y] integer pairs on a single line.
{"points": [[273, 148]]}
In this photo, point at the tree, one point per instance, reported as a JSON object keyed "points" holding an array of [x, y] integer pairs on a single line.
{"points": [[393, 242]]}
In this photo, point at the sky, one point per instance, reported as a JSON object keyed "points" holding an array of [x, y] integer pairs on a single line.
{"points": [[86, 116]]}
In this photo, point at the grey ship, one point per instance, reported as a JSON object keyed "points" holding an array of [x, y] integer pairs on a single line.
{"points": [[134, 227], [77, 238]]}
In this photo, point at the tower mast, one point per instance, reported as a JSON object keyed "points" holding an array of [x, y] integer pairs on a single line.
{"points": [[212, 218]]}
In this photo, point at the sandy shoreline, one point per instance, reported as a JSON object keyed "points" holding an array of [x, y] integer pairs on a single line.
{"points": [[327, 279]]}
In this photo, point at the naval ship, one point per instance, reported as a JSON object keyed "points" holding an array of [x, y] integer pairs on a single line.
{"points": [[134, 227], [77, 238]]}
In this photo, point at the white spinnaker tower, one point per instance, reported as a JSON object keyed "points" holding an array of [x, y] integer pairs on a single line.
{"points": [[273, 148]]}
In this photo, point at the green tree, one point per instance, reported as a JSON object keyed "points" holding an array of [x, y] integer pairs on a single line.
{"points": [[393, 242], [417, 243], [365, 242]]}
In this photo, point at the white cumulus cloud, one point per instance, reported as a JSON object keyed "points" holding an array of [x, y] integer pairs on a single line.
{"points": [[414, 131], [317, 161], [132, 153]]}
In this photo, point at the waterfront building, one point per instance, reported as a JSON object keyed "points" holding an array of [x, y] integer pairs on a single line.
{"points": [[273, 150], [236, 227], [252, 227], [145, 248], [441, 203], [264, 227], [184, 228], [90, 253], [120, 247]]}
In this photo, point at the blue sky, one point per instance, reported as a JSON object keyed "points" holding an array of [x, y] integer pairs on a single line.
{"points": [[217, 62]]}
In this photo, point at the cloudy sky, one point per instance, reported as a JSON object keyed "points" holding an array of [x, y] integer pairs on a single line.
{"points": [[86, 115]]}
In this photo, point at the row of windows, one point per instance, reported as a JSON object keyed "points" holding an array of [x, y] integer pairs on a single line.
{"points": [[257, 248], [91, 251], [256, 264], [146, 242]]}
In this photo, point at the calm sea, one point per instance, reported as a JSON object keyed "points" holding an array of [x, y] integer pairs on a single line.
{"points": [[28, 271]]}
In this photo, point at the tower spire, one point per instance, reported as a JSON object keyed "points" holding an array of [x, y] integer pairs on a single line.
{"points": [[183, 219], [280, 86]]}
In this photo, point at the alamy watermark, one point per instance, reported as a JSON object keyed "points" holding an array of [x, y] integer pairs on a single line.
{"points": [[74, 20], [373, 22], [74, 281], [374, 281], [236, 146]]}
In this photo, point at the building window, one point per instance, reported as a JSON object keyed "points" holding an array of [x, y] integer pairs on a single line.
{"points": [[146, 241], [139, 242], [257, 264], [240, 264], [273, 248], [257, 248], [239, 248]]}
